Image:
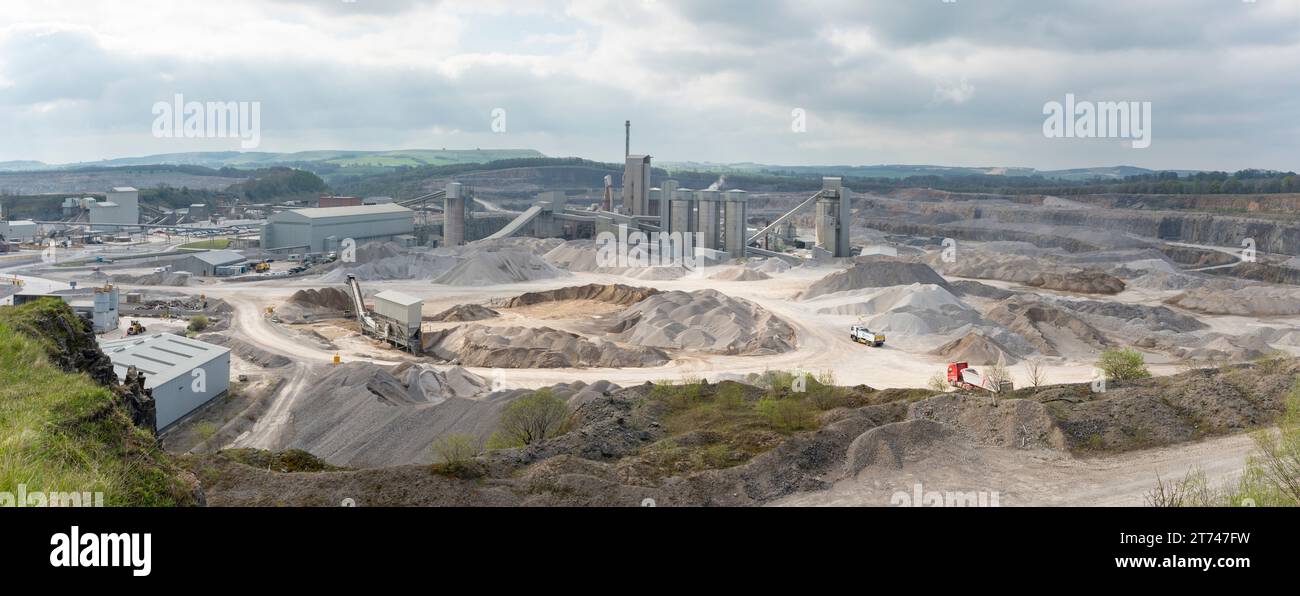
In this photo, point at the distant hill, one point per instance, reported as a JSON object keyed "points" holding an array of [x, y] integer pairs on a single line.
{"points": [[22, 166], [324, 158], [906, 171]]}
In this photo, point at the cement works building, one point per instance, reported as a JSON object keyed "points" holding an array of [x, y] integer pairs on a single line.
{"points": [[321, 230]]}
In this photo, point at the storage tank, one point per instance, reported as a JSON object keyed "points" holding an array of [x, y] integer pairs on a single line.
{"points": [[666, 195], [682, 212], [708, 218], [453, 223], [734, 230]]}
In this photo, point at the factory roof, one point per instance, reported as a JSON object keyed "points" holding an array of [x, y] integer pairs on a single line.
{"points": [[397, 298], [328, 212], [124, 189], [220, 257], [162, 357]]}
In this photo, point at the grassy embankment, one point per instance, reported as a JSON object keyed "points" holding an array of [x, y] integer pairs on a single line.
{"points": [[60, 432]]}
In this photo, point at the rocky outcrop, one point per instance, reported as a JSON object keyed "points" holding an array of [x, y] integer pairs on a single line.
{"points": [[139, 402]]}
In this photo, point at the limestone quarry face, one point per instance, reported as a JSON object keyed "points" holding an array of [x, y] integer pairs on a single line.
{"points": [[1243, 301], [1030, 271]]}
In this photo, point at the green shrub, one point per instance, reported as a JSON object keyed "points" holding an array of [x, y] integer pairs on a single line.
{"points": [[787, 415], [533, 418], [455, 454], [730, 396], [1123, 365], [198, 323], [456, 449], [1273, 362], [683, 396]]}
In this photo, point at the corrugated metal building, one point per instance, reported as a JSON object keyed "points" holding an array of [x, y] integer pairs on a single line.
{"points": [[206, 263], [323, 229], [183, 373], [18, 230], [402, 308]]}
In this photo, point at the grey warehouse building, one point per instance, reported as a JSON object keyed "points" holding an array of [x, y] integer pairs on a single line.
{"points": [[206, 263], [323, 229], [183, 373]]}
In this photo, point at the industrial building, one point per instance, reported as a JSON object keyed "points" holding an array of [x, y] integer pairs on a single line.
{"points": [[100, 305], [636, 185], [711, 222], [121, 206], [18, 230], [207, 264], [338, 201], [401, 308], [832, 221], [320, 230], [396, 317], [183, 373], [454, 213]]}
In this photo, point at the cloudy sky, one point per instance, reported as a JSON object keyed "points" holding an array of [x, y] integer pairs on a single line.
{"points": [[880, 81]]}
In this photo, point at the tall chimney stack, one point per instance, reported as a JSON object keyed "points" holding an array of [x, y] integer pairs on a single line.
{"points": [[627, 138]]}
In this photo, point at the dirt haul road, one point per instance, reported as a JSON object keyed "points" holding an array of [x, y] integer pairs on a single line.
{"points": [[1038, 478]]}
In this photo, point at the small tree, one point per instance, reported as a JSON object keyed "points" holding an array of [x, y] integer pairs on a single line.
{"points": [[997, 374], [535, 417], [456, 450], [1035, 372], [1123, 365], [937, 382]]}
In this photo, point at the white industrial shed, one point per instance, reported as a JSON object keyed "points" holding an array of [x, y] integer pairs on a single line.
{"points": [[402, 308], [18, 230], [183, 373], [324, 229], [206, 263]]}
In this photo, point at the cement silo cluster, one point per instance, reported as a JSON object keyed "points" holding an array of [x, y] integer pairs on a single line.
{"points": [[711, 220]]}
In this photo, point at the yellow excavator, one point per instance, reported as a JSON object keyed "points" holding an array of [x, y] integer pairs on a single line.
{"points": [[135, 328]]}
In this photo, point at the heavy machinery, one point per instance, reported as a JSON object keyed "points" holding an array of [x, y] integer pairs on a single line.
{"points": [[402, 331], [862, 335], [135, 328], [262, 267], [962, 376]]}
